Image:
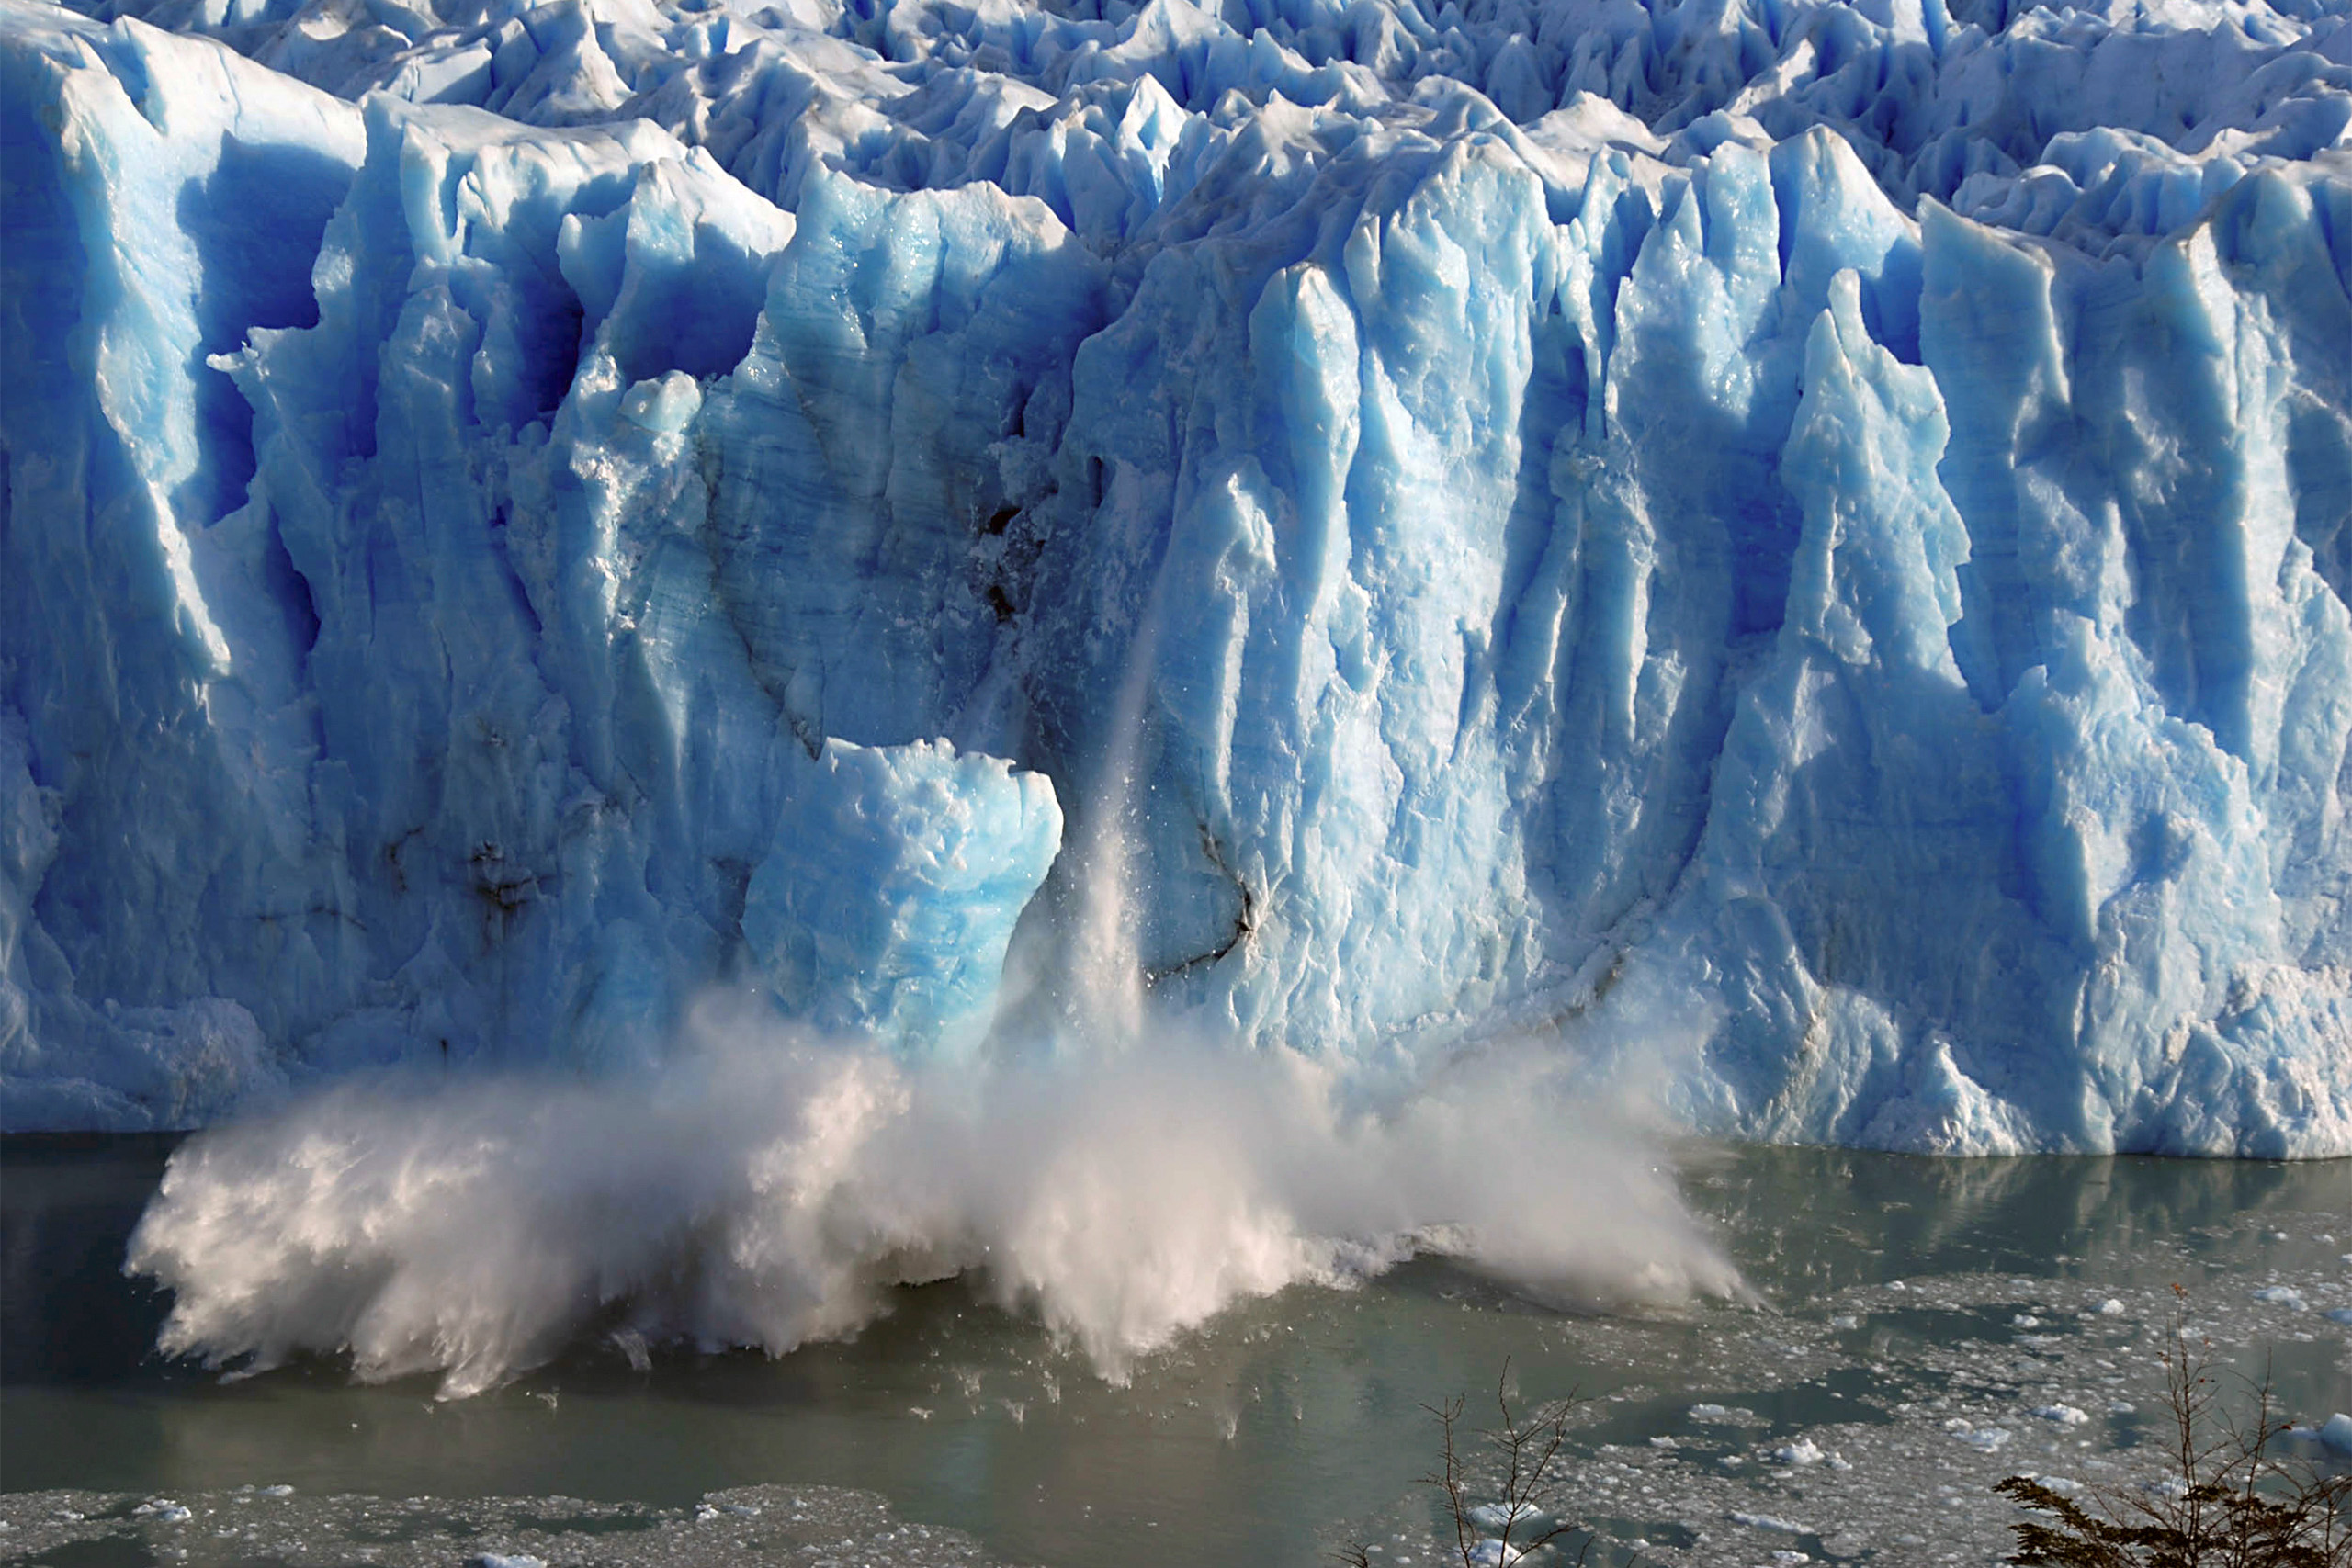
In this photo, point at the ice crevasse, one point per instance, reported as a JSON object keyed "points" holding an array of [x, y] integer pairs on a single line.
{"points": [[1805, 545]]}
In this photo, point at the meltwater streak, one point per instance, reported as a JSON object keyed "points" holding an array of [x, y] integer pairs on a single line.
{"points": [[767, 1190], [1104, 996]]}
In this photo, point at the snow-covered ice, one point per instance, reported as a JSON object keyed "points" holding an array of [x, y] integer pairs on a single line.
{"points": [[1804, 546]]}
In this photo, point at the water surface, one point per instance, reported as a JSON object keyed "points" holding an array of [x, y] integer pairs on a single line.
{"points": [[1910, 1308]]}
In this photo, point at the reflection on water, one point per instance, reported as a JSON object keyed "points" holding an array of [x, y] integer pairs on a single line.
{"points": [[1805, 1220], [1286, 1419]]}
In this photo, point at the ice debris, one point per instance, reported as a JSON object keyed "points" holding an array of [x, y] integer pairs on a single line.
{"points": [[1773, 1522], [1802, 543], [1985, 1439]]}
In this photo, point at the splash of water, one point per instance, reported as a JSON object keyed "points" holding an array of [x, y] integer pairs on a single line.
{"points": [[767, 1190]]}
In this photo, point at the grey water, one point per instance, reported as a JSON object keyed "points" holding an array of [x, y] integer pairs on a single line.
{"points": [[1909, 1310]]}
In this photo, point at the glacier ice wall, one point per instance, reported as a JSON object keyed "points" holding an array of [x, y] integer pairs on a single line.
{"points": [[1805, 545]]}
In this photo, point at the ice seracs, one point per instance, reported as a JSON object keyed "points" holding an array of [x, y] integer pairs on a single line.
{"points": [[1803, 548]]}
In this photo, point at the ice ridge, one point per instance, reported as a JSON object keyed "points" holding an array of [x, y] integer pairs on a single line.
{"points": [[1804, 546]]}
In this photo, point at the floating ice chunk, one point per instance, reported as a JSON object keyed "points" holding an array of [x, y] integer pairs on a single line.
{"points": [[2111, 1307], [2282, 1296], [1771, 1522], [1495, 1516], [1985, 1439], [1803, 1451], [2061, 1414]]}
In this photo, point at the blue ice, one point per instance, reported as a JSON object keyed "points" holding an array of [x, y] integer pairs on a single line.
{"points": [[1802, 548]]}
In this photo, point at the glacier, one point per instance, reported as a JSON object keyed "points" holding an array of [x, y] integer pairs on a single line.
{"points": [[1799, 549]]}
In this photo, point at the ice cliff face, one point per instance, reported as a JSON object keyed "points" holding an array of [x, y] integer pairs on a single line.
{"points": [[1804, 545]]}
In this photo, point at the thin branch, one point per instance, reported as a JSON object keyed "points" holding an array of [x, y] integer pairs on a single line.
{"points": [[2230, 1501]]}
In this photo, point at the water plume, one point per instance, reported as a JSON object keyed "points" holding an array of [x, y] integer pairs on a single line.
{"points": [[766, 1189]]}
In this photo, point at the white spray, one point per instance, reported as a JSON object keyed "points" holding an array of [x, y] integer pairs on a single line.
{"points": [[767, 1190]]}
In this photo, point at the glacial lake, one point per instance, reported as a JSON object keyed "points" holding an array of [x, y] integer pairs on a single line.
{"points": [[1925, 1328]]}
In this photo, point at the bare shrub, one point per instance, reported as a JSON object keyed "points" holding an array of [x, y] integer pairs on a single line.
{"points": [[2227, 1498], [1524, 1518]]}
